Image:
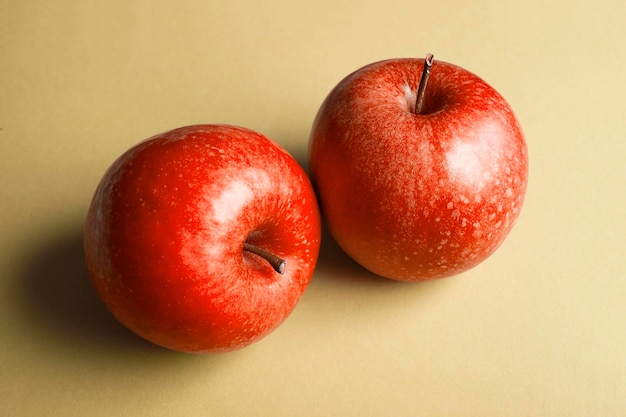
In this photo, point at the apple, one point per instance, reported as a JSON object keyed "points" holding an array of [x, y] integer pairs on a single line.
{"points": [[203, 238], [420, 168]]}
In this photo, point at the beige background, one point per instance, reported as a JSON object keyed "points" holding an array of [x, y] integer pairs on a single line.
{"points": [[537, 330]]}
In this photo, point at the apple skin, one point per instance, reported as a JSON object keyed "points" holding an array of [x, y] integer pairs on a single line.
{"points": [[414, 197], [164, 237]]}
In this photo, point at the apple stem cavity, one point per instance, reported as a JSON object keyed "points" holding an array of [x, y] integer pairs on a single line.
{"points": [[421, 90], [277, 263]]}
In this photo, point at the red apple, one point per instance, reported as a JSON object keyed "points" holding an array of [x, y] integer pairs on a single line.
{"points": [[416, 189], [203, 238]]}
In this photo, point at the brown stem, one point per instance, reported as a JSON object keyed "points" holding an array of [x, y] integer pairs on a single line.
{"points": [[277, 263], [421, 90]]}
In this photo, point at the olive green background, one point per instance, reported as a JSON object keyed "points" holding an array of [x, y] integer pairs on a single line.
{"points": [[536, 330]]}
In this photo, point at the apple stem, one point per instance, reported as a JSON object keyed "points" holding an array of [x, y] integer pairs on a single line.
{"points": [[277, 263], [421, 90]]}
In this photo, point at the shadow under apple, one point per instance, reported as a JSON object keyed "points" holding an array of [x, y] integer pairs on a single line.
{"points": [[334, 264], [61, 303], [336, 270]]}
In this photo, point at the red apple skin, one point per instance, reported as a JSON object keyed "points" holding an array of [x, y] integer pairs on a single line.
{"points": [[165, 231], [414, 197]]}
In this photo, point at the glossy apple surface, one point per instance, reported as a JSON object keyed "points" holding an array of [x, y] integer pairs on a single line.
{"points": [[417, 196], [165, 234]]}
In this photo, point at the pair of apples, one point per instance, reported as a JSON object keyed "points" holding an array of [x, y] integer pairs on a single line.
{"points": [[203, 238]]}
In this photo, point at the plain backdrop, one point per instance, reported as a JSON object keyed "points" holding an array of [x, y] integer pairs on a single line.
{"points": [[536, 330]]}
